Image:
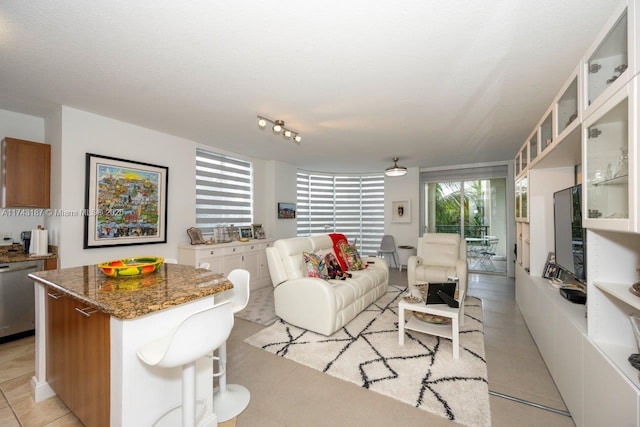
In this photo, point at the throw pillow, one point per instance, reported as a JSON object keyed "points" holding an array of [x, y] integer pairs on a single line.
{"points": [[333, 267], [315, 265], [351, 256]]}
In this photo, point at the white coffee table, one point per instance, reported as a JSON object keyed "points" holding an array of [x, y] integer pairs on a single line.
{"points": [[451, 330]]}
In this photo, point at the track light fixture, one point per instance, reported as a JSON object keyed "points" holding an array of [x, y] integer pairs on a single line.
{"points": [[278, 128], [395, 170]]}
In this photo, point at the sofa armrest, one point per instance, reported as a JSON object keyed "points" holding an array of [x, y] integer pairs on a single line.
{"points": [[461, 271], [413, 262], [377, 262], [308, 303]]}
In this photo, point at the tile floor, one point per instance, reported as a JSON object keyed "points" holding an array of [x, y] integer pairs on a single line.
{"points": [[284, 393]]}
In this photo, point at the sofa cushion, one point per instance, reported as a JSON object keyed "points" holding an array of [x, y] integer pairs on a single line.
{"points": [[349, 290]]}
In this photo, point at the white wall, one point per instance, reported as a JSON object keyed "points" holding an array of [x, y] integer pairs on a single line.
{"points": [[20, 126], [281, 186], [403, 188], [82, 133]]}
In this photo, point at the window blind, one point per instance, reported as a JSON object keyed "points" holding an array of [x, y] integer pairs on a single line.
{"points": [[223, 191], [352, 205], [465, 174]]}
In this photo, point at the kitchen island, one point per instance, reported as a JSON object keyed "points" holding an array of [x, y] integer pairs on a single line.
{"points": [[89, 328]]}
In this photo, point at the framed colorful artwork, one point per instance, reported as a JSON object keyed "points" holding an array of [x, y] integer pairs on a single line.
{"points": [[125, 202]]}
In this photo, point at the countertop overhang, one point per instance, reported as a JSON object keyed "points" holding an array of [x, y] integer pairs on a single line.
{"points": [[133, 297]]}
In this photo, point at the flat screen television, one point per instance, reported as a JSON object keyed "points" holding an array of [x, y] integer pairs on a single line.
{"points": [[570, 237]]}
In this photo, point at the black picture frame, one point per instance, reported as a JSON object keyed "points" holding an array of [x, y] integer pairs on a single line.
{"points": [[125, 202], [286, 210], [550, 268]]}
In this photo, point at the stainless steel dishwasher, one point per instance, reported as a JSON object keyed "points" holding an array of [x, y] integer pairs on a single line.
{"points": [[17, 301]]}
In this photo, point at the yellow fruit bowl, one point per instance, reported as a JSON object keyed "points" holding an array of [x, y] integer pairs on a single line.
{"points": [[128, 267]]}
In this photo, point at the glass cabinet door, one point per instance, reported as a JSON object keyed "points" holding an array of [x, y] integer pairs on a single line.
{"points": [[607, 165], [568, 106], [523, 198], [533, 147], [517, 199], [609, 60], [546, 133]]}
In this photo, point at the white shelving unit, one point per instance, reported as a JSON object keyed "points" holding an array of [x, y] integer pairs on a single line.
{"points": [[592, 122]]}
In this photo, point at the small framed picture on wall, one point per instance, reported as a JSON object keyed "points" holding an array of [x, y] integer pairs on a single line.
{"points": [[286, 210], [401, 211]]}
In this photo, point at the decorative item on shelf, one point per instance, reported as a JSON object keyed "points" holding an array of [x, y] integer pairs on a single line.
{"points": [[195, 234], [617, 72], [622, 168], [246, 233], [635, 289], [279, 128], [233, 232], [594, 213], [572, 118], [395, 170], [128, 267], [634, 358], [550, 268], [258, 231]]}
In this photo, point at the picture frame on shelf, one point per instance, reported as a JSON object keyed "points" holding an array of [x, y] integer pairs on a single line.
{"points": [[246, 232], [550, 268], [125, 202], [286, 210], [401, 211], [258, 231]]}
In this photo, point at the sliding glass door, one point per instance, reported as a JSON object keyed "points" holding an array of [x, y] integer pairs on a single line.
{"points": [[475, 209]]}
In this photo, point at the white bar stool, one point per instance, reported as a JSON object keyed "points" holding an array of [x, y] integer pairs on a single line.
{"points": [[195, 337], [231, 399]]}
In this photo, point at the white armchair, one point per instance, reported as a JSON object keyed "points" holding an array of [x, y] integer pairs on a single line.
{"points": [[439, 256]]}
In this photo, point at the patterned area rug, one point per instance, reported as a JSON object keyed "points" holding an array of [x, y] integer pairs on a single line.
{"points": [[261, 308], [421, 373]]}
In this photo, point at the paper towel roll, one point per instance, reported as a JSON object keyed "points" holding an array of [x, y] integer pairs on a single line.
{"points": [[39, 242]]}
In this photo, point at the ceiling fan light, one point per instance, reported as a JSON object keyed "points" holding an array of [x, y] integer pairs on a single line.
{"points": [[395, 170]]}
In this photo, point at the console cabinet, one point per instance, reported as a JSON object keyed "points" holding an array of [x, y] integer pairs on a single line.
{"points": [[594, 141], [225, 257]]}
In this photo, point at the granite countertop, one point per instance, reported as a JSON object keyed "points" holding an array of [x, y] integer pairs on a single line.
{"points": [[129, 298], [15, 253]]}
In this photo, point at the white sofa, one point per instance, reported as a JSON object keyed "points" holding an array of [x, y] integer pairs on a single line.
{"points": [[322, 306]]}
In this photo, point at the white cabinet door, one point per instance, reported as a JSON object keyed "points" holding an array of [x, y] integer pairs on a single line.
{"points": [[609, 399], [231, 262], [568, 366], [250, 263]]}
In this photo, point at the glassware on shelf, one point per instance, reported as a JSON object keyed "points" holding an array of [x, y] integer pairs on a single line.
{"points": [[622, 167]]}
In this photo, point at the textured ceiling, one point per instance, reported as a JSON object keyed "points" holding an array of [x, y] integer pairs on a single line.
{"points": [[432, 82]]}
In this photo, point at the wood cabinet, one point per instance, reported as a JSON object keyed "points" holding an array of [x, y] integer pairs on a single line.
{"points": [[224, 257], [26, 174], [78, 357], [51, 263]]}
